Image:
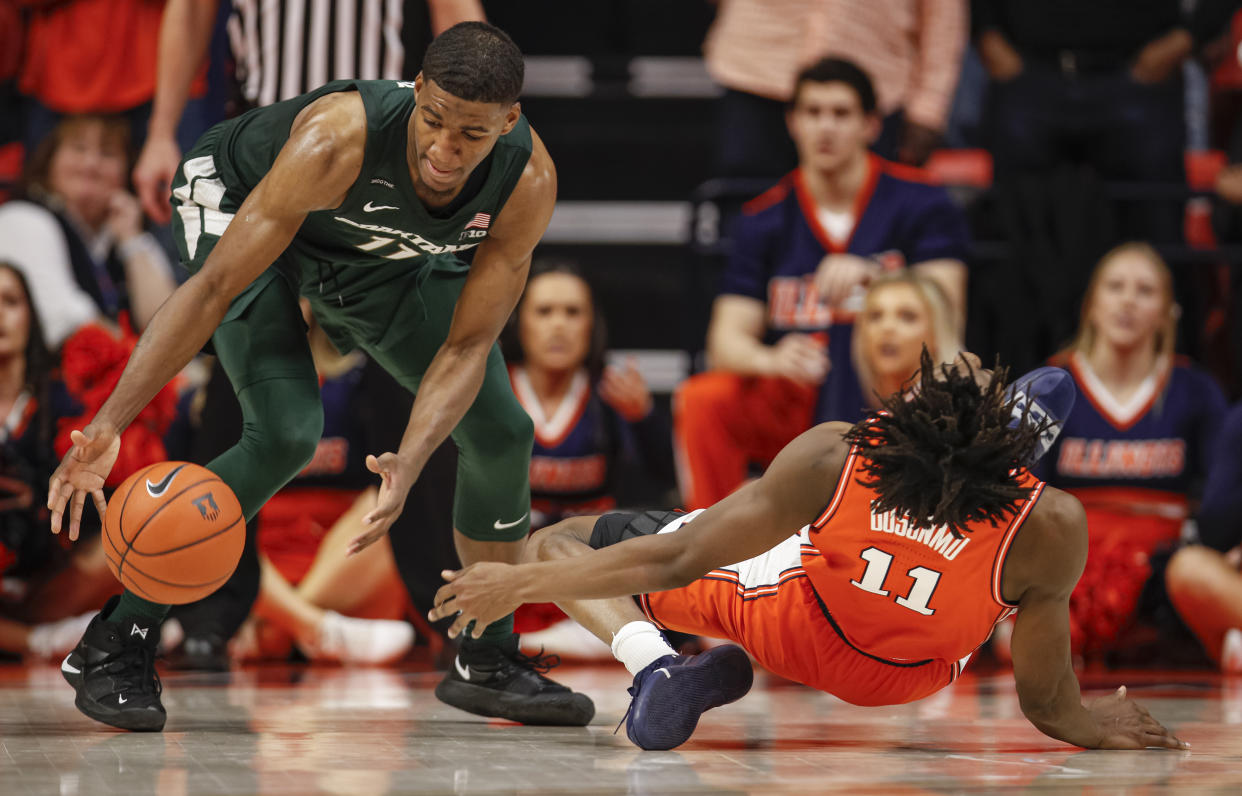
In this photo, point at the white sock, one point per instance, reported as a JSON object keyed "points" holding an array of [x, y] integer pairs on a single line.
{"points": [[637, 644]]}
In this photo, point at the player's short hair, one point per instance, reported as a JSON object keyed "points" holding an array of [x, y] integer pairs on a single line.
{"points": [[837, 70], [941, 451], [476, 62]]}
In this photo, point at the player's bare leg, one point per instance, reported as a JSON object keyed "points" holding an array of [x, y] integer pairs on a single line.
{"points": [[670, 691]]}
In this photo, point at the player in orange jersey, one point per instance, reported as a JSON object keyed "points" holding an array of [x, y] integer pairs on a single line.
{"points": [[920, 529]]}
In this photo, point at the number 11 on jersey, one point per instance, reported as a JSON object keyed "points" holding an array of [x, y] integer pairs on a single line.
{"points": [[873, 577]]}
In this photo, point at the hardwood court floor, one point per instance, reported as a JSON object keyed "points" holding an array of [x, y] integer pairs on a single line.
{"points": [[306, 730]]}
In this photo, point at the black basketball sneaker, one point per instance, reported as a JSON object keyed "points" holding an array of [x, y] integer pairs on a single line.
{"points": [[499, 681], [113, 671]]}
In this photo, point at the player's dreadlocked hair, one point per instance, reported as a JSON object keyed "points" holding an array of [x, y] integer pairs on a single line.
{"points": [[476, 62], [941, 451]]}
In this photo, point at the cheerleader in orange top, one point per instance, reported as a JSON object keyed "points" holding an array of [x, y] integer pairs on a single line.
{"points": [[869, 561], [1136, 446]]}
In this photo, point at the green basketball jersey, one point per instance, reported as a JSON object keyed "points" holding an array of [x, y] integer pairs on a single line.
{"points": [[381, 219]]}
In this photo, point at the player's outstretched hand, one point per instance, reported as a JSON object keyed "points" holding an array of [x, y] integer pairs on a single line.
{"points": [[481, 593], [395, 483], [83, 471], [1125, 724]]}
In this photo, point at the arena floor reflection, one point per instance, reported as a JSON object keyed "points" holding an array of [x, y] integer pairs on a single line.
{"points": [[298, 730]]}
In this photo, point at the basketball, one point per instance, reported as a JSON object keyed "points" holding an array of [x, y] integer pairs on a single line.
{"points": [[173, 532]]}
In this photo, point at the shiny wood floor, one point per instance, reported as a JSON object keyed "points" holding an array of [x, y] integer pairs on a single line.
{"points": [[298, 730]]}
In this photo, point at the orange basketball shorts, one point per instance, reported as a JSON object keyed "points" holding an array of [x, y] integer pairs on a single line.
{"points": [[767, 605]]}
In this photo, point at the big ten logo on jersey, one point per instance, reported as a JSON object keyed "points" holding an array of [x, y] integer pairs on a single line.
{"points": [[207, 508], [476, 227]]}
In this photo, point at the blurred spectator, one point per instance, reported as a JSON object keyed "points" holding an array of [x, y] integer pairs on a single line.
{"points": [[1083, 92], [46, 588], [310, 593], [11, 130], [96, 56], [1136, 446], [912, 49], [587, 417], [78, 236], [280, 51], [901, 314], [1205, 581], [802, 254]]}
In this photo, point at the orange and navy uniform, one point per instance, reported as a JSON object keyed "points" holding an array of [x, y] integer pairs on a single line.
{"points": [[578, 446], [1134, 466], [723, 421], [573, 462], [857, 604]]}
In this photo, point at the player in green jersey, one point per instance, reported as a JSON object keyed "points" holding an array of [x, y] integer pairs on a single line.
{"points": [[360, 196]]}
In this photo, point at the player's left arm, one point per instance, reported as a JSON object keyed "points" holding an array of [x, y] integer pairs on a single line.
{"points": [[1043, 567], [452, 381], [748, 522]]}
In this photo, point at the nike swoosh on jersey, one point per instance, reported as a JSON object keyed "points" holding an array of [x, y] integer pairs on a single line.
{"points": [[500, 526], [370, 208], [157, 490]]}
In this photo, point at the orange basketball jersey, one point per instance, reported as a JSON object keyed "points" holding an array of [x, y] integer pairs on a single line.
{"points": [[902, 594]]}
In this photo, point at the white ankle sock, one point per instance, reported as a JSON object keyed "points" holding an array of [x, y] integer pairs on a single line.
{"points": [[637, 644]]}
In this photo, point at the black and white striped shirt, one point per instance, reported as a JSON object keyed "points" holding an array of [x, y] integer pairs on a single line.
{"points": [[284, 48]]}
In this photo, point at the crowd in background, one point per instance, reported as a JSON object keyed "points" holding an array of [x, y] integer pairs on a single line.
{"points": [[1093, 139]]}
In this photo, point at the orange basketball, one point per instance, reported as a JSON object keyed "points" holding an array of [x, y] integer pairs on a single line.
{"points": [[173, 532]]}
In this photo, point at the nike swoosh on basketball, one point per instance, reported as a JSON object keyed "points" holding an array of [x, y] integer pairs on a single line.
{"points": [[500, 526], [156, 490], [370, 208], [464, 671]]}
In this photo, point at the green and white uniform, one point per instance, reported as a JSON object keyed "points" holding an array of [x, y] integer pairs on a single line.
{"points": [[382, 273]]}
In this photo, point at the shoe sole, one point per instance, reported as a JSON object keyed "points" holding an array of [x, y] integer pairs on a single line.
{"points": [[569, 710], [666, 712], [146, 721]]}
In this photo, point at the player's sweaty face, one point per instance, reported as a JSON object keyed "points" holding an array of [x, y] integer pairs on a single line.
{"points": [[452, 136]]}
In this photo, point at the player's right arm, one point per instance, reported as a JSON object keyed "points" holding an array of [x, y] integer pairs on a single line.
{"points": [[185, 32], [752, 520], [313, 171], [1043, 567], [735, 343]]}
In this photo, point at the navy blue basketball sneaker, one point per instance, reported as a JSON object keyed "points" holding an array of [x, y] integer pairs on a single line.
{"points": [[1050, 392], [673, 691]]}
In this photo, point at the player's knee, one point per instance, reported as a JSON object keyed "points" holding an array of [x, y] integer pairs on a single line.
{"points": [[551, 544], [289, 443], [498, 437]]}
